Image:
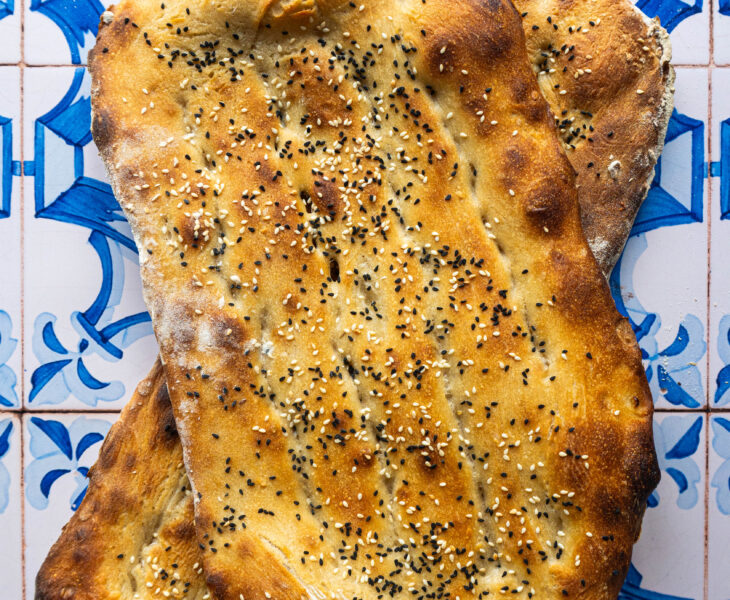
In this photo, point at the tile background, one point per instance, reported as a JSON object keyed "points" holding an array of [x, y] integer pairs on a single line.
{"points": [[75, 338]]}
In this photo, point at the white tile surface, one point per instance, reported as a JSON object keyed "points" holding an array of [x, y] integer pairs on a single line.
{"points": [[10, 507], [690, 42], [670, 553], [10, 33], [55, 442]]}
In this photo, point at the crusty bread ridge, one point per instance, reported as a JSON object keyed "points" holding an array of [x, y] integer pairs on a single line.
{"points": [[604, 68], [638, 450]]}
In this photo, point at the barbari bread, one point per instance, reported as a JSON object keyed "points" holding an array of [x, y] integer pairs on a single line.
{"points": [[639, 442]]}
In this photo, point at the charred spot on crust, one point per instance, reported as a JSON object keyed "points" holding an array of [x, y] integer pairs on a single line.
{"points": [[484, 35], [188, 229], [513, 164], [103, 128], [514, 159], [545, 207], [110, 448], [130, 460], [183, 530], [166, 428], [217, 583], [529, 101], [228, 332], [641, 463], [327, 199], [366, 457], [576, 281]]}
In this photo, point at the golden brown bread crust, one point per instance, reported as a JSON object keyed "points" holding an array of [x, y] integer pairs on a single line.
{"points": [[543, 208], [604, 69], [145, 509]]}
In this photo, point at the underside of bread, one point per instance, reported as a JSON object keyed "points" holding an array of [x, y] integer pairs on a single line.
{"points": [[527, 187]]}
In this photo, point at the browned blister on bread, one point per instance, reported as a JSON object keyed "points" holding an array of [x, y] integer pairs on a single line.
{"points": [[393, 360]]}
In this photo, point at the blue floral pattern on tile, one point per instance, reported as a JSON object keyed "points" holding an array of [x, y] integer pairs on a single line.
{"points": [[6, 164], [6, 429], [722, 391], [7, 7], [725, 7], [8, 344], [721, 478], [672, 372], [670, 12], [75, 18], [724, 163], [59, 451], [632, 589], [89, 203], [68, 195], [677, 439], [63, 370]]}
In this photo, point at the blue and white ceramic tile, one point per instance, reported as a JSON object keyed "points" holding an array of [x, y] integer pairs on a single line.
{"points": [[11, 546], [87, 339], [719, 509], [10, 31], [59, 31], [721, 37], [10, 235], [688, 24], [720, 281], [669, 557], [661, 280], [88, 336], [59, 449]]}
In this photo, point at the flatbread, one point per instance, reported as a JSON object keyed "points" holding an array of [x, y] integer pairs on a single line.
{"points": [[191, 590]]}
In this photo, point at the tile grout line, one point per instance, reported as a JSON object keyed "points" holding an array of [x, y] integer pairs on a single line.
{"points": [[22, 303], [708, 405]]}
